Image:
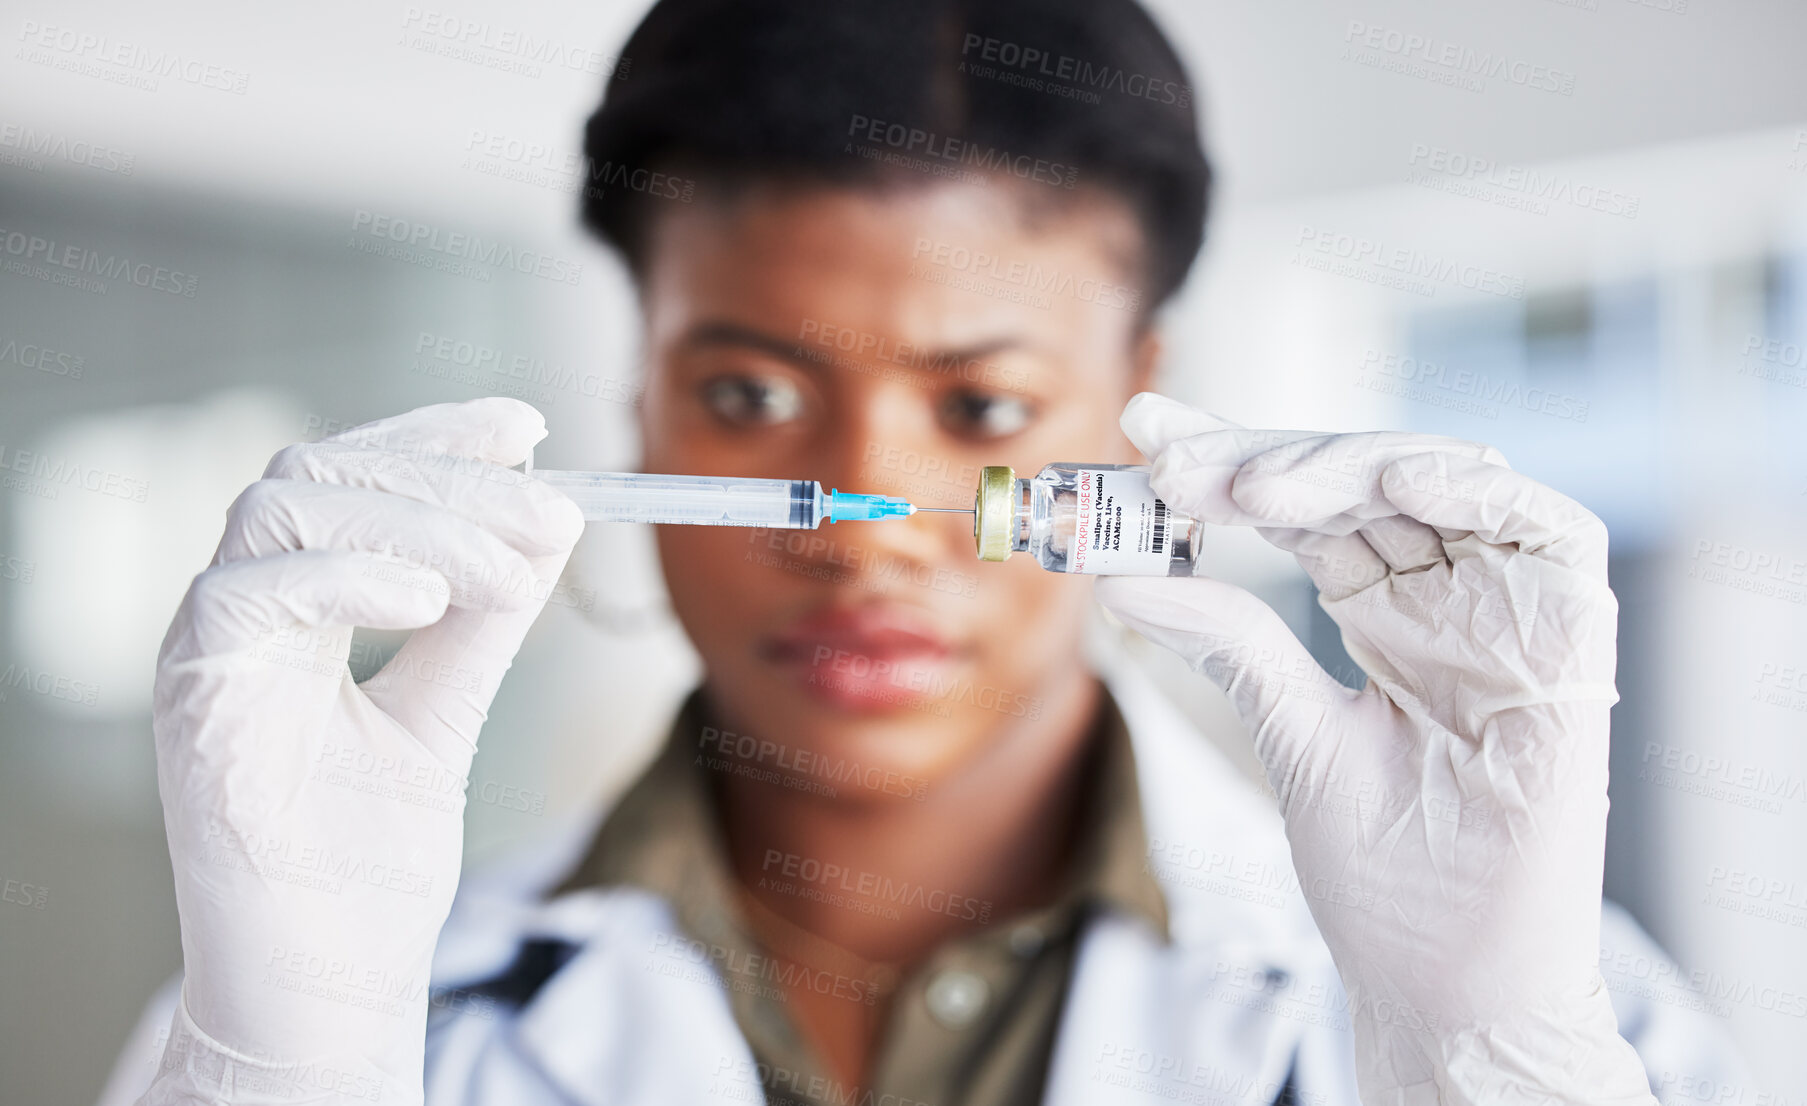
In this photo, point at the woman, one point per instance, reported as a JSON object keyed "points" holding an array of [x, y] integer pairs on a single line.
{"points": [[904, 843]]}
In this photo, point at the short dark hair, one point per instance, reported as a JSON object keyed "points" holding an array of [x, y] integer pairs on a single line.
{"points": [[739, 91]]}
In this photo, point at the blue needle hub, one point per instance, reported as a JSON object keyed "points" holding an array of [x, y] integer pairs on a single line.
{"points": [[849, 506]]}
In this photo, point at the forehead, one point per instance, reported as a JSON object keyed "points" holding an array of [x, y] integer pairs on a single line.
{"points": [[940, 263]]}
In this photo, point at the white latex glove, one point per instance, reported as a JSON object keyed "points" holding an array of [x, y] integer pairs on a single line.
{"points": [[315, 825], [1447, 822]]}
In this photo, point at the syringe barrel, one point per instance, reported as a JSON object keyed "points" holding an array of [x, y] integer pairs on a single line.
{"points": [[693, 500]]}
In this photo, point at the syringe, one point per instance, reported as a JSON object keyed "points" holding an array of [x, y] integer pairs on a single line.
{"points": [[714, 500]]}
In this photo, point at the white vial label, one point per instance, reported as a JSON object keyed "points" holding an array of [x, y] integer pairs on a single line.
{"points": [[1120, 528]]}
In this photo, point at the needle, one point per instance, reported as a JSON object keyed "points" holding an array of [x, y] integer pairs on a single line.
{"points": [[949, 510]]}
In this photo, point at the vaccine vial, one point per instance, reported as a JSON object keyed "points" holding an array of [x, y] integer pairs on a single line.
{"points": [[1097, 519]]}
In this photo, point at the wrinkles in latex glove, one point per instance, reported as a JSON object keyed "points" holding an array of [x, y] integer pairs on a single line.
{"points": [[315, 824], [1459, 798]]}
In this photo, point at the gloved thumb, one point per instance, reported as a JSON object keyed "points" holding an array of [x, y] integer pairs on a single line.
{"points": [[1279, 691]]}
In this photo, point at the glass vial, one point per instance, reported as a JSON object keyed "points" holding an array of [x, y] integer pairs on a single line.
{"points": [[1096, 519]]}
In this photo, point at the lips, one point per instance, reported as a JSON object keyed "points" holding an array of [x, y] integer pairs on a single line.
{"points": [[871, 659]]}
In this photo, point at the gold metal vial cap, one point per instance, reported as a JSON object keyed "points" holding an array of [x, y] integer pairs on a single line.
{"points": [[994, 512]]}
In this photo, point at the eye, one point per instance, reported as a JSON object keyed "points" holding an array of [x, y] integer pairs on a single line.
{"points": [[985, 414], [743, 400]]}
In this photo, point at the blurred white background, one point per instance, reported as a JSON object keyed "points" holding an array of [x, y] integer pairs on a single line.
{"points": [[1607, 280]]}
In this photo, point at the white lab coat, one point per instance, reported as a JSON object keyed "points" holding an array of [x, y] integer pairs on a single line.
{"points": [[1243, 996]]}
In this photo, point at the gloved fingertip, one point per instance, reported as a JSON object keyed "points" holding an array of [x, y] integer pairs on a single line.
{"points": [[1154, 421], [516, 427], [508, 407], [1139, 421], [1141, 404]]}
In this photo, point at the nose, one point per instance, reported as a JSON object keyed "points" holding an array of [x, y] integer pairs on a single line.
{"points": [[883, 445]]}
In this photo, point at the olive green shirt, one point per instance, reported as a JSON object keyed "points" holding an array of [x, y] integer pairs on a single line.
{"points": [[973, 1023]]}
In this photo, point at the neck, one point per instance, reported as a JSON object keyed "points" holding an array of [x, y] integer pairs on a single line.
{"points": [[994, 836]]}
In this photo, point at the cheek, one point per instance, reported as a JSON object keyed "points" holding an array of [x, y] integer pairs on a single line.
{"points": [[1035, 621]]}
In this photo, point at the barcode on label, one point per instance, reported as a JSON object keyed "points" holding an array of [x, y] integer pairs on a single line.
{"points": [[1160, 527]]}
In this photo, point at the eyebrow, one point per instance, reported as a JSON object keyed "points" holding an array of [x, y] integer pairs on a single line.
{"points": [[798, 350], [714, 333]]}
